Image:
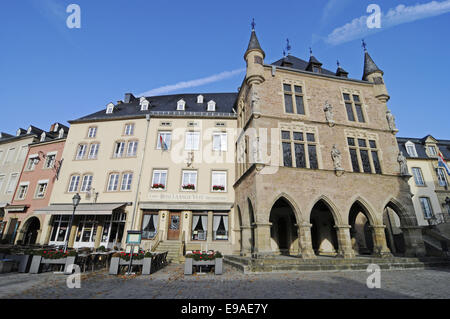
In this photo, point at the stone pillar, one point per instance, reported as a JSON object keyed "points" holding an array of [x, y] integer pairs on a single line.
{"points": [[246, 238], [380, 247], [262, 239], [98, 236], [414, 245], [72, 236], [209, 234], [344, 241], [163, 224], [236, 242], [304, 241], [47, 228]]}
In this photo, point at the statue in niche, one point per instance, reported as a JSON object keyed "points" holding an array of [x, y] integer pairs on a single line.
{"points": [[337, 157], [403, 166], [328, 109], [391, 121]]}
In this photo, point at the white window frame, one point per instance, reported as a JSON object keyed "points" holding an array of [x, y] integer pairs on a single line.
{"points": [[411, 149], [192, 141], [47, 157], [11, 187], [213, 183], [92, 132], [23, 184], [442, 179], [132, 146], [127, 180], [432, 150], [164, 135], [223, 140], [424, 209], [418, 176], [38, 192], [86, 183], [31, 162], [74, 183], [181, 105], [157, 178], [211, 106], [92, 155], [191, 173], [119, 149], [129, 129], [81, 151], [113, 183], [110, 108]]}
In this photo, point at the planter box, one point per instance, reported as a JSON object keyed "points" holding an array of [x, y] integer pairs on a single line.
{"points": [[23, 261], [190, 263], [147, 266], [37, 261], [6, 265], [117, 261]]}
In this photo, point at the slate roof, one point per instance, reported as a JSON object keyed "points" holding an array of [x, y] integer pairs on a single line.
{"points": [[300, 64], [254, 43], [36, 132], [443, 145], [225, 103], [369, 66]]}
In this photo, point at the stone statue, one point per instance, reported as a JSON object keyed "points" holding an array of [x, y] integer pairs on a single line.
{"points": [[190, 159], [328, 109], [391, 120], [255, 102], [256, 150], [336, 155], [403, 166]]}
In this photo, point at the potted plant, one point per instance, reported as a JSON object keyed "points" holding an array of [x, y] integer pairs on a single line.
{"points": [[158, 186], [218, 188], [52, 257], [189, 186], [199, 258]]}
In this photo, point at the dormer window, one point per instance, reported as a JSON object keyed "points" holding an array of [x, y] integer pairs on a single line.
{"points": [[29, 129], [18, 132], [411, 149], [432, 150], [316, 69], [200, 99], [211, 106], [181, 105], [109, 108], [56, 127], [61, 133], [43, 136], [144, 104]]}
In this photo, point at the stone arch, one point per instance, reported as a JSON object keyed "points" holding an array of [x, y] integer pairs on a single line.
{"points": [[239, 227], [368, 209], [406, 219], [395, 216], [296, 210], [30, 230], [362, 221], [324, 220], [333, 208], [252, 221], [283, 227]]}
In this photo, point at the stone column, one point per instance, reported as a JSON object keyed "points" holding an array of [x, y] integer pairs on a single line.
{"points": [[98, 235], [344, 241], [246, 238], [163, 224], [72, 236], [304, 241], [380, 247], [209, 234], [236, 241], [262, 239], [414, 245]]}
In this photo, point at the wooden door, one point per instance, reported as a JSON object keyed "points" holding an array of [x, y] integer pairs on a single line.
{"points": [[173, 233]]}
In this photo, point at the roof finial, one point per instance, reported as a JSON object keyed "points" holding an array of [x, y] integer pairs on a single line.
{"points": [[338, 64], [310, 51], [288, 47], [253, 24], [364, 45]]}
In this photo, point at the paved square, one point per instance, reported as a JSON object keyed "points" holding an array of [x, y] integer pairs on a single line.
{"points": [[170, 282]]}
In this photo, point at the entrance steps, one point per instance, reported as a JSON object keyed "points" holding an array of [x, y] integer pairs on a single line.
{"points": [[173, 248], [297, 264]]}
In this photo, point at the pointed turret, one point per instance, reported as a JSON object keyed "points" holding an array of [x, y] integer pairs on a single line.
{"points": [[340, 71], [314, 65], [372, 73], [254, 56]]}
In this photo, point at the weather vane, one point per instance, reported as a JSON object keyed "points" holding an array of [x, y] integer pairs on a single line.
{"points": [[288, 47], [310, 51], [253, 24], [338, 64], [364, 45]]}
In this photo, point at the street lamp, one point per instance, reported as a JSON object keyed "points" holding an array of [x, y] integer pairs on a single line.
{"points": [[75, 201]]}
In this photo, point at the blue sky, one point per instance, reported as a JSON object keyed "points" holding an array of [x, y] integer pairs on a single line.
{"points": [[52, 73]]}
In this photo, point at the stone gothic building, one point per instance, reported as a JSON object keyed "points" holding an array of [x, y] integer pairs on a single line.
{"points": [[318, 166]]}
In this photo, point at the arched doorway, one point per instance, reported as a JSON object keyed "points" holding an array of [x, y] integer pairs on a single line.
{"points": [[360, 231], [283, 230], [252, 225], [239, 220], [31, 228], [323, 232], [394, 235]]}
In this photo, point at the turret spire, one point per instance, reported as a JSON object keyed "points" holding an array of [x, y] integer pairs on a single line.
{"points": [[369, 65], [254, 43]]}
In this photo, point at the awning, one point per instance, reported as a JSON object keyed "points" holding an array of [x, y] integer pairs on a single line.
{"points": [[82, 209], [16, 208], [185, 206]]}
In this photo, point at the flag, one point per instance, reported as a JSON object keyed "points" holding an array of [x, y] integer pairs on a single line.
{"points": [[163, 144], [442, 163]]}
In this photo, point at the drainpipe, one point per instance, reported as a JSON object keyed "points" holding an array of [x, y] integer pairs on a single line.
{"points": [[147, 117]]}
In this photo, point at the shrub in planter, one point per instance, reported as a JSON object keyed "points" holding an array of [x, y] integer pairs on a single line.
{"points": [[189, 186], [218, 188], [126, 256], [56, 254], [158, 186]]}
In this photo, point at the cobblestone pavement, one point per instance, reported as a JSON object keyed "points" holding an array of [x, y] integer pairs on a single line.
{"points": [[170, 282]]}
